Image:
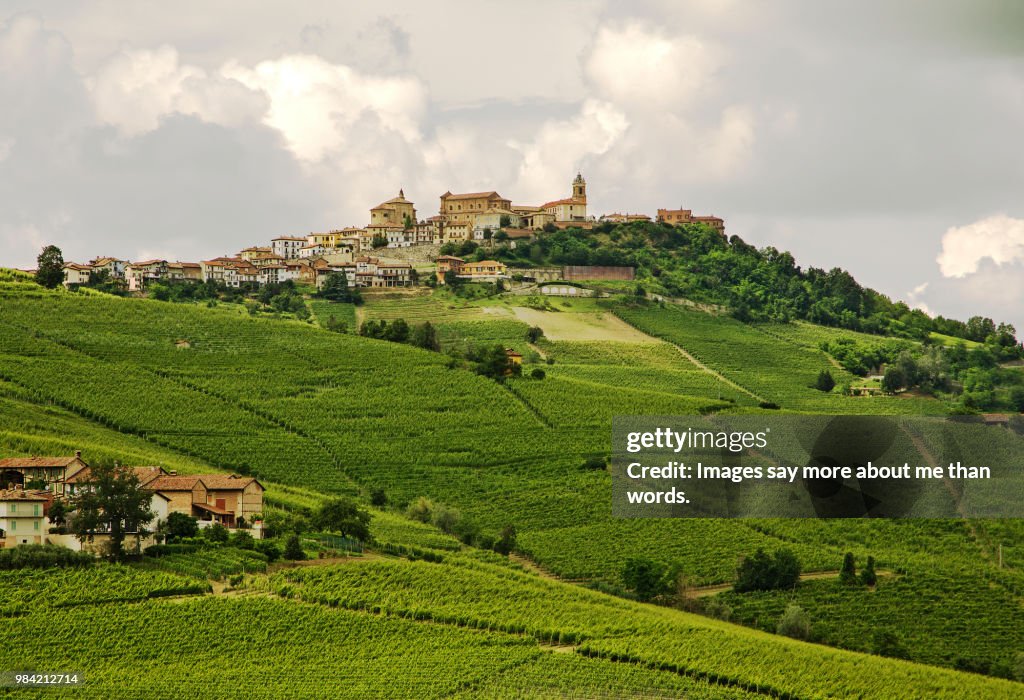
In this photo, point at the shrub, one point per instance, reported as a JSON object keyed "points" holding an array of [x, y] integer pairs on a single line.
{"points": [[825, 382], [42, 556], [293, 549], [378, 498], [848, 574], [887, 643], [764, 572], [646, 578], [268, 549], [867, 574], [538, 373], [794, 623], [216, 533], [421, 509], [771, 405], [506, 540]]}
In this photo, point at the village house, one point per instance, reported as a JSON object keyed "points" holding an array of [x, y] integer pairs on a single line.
{"points": [[139, 274], [617, 218], [22, 517], [484, 270], [392, 275], [255, 254], [49, 473], [446, 263], [113, 267], [287, 247], [397, 211], [685, 216], [76, 273], [185, 271]]}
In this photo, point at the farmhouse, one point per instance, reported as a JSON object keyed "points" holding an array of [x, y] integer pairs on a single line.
{"points": [[22, 516], [49, 473], [74, 273]]}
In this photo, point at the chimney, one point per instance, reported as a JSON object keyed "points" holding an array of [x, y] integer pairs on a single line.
{"points": [[78, 454], [172, 472]]}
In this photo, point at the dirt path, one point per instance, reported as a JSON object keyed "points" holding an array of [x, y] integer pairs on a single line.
{"points": [[714, 373], [704, 591]]}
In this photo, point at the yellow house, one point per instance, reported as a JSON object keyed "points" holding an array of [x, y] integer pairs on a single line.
{"points": [[484, 268], [22, 517]]}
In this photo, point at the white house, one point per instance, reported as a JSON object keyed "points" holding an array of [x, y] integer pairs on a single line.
{"points": [[74, 273], [288, 247], [22, 517]]}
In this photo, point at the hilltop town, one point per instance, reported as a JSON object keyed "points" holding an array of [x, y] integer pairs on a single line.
{"points": [[360, 253]]}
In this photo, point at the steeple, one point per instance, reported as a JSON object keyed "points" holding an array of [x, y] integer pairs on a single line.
{"points": [[579, 188]]}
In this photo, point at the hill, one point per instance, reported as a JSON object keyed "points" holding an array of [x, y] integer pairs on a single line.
{"points": [[317, 412]]}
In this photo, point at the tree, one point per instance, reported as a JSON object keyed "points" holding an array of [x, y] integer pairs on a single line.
{"points": [[242, 540], [893, 380], [293, 549], [506, 540], [848, 574], [534, 333], [58, 514], [868, 577], [397, 331], [825, 382], [887, 643], [794, 623], [379, 242], [538, 373], [378, 499], [424, 336], [343, 516], [179, 526], [50, 267], [446, 519], [112, 502], [646, 578], [764, 572], [421, 509], [216, 533]]}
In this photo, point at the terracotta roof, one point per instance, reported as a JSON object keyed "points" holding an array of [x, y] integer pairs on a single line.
{"points": [[471, 195], [37, 461], [556, 202], [144, 474], [147, 262], [212, 509], [21, 495], [174, 483], [76, 266], [450, 257], [289, 238], [227, 482]]}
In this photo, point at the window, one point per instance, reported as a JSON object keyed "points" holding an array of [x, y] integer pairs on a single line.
{"points": [[14, 525], [35, 525], [13, 508], [35, 509]]}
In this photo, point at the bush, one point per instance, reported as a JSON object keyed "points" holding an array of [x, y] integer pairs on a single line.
{"points": [[293, 549], [216, 533], [421, 510], [42, 556], [534, 334], [595, 464], [771, 405], [538, 373], [445, 518], [764, 572], [825, 382], [179, 526], [887, 643], [506, 540], [646, 578], [268, 549], [794, 623], [378, 498], [867, 575], [848, 574], [717, 609], [242, 540]]}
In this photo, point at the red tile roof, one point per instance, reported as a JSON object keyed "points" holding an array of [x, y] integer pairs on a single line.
{"points": [[144, 474], [472, 195], [21, 462], [174, 483], [22, 495], [227, 482]]}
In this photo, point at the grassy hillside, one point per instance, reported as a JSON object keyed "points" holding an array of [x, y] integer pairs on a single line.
{"points": [[194, 388]]}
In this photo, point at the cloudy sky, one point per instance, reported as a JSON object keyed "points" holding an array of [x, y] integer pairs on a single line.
{"points": [[883, 137]]}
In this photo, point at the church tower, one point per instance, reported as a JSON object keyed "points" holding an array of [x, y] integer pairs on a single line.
{"points": [[579, 188]]}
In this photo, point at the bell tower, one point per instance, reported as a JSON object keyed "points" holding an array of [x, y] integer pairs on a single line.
{"points": [[579, 188]]}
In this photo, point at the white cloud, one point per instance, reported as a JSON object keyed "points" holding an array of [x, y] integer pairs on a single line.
{"points": [[561, 146], [728, 148], [999, 238], [314, 103], [634, 63], [135, 89], [914, 297]]}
